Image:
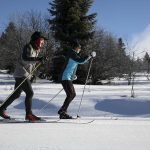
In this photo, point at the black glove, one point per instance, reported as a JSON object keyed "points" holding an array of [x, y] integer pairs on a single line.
{"points": [[33, 78], [42, 59], [39, 59]]}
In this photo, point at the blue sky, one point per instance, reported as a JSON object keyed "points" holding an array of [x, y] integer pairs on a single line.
{"points": [[128, 19], [123, 17]]}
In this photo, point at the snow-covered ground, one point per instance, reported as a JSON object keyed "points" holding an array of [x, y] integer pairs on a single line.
{"points": [[121, 122]]}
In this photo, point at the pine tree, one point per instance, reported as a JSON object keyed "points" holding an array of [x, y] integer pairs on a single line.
{"points": [[8, 46], [69, 21], [146, 62], [121, 56]]}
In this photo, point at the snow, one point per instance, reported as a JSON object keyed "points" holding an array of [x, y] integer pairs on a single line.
{"points": [[121, 122]]}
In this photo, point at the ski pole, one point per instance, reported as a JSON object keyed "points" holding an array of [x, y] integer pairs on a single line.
{"points": [[133, 76], [132, 90], [21, 83], [84, 87], [50, 100]]}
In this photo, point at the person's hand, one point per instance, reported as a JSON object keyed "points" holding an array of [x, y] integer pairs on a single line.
{"points": [[93, 54], [33, 78], [74, 77], [43, 60]]}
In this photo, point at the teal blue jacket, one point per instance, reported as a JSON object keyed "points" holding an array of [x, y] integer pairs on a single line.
{"points": [[71, 64]]}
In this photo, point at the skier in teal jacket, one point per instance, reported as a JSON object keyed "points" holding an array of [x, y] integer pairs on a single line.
{"points": [[68, 75]]}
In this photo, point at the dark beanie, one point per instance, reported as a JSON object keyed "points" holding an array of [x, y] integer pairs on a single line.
{"points": [[37, 35], [75, 43]]}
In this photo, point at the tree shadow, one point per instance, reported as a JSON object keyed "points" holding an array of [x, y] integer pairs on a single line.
{"points": [[7, 83], [124, 107], [38, 104]]}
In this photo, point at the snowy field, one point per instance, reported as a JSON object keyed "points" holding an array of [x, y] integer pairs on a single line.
{"points": [[121, 122]]}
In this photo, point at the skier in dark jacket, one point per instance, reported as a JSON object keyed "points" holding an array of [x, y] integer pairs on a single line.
{"points": [[68, 75], [26, 63]]}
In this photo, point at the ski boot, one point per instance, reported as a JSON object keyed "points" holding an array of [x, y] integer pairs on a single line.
{"points": [[64, 115], [31, 117], [4, 115]]}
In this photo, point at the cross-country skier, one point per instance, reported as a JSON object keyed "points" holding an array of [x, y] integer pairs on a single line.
{"points": [[68, 74], [25, 64]]}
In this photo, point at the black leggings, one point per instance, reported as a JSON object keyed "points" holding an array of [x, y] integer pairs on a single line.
{"points": [[70, 93], [27, 88]]}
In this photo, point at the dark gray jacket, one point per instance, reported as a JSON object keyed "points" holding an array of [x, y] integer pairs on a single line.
{"points": [[26, 61]]}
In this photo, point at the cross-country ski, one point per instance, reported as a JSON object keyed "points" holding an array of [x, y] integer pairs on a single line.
{"points": [[67, 121]]}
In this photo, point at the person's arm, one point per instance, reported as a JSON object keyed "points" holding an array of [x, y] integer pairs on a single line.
{"points": [[26, 55], [78, 59]]}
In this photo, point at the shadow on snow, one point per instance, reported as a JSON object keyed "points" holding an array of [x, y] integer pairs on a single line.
{"points": [[38, 104], [124, 107]]}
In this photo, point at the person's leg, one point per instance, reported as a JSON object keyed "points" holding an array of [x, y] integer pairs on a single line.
{"points": [[70, 94], [14, 96], [27, 88]]}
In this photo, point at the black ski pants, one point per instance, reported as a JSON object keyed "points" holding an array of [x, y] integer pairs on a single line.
{"points": [[70, 94], [27, 88]]}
